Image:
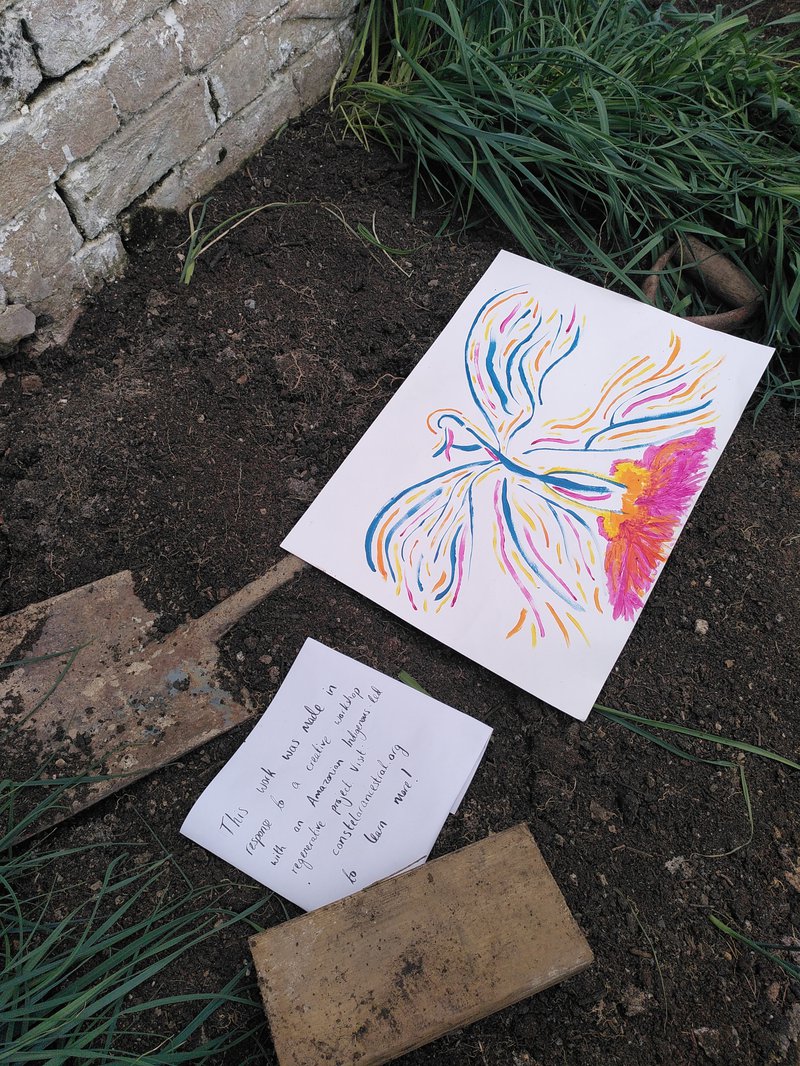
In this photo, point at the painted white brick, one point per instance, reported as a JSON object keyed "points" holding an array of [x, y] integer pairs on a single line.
{"points": [[231, 145], [66, 32], [34, 247], [210, 26], [240, 74], [101, 259], [58, 312], [293, 37], [24, 172], [19, 71], [138, 110], [319, 9], [143, 65], [314, 71], [71, 119], [16, 322], [137, 156]]}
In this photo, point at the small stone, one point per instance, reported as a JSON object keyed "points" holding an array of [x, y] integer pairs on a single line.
{"points": [[598, 813], [30, 383], [635, 1001], [709, 1041], [16, 322], [701, 627], [771, 461], [250, 305], [679, 865], [793, 1015]]}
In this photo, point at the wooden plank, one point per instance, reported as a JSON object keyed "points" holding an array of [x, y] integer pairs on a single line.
{"points": [[399, 964]]}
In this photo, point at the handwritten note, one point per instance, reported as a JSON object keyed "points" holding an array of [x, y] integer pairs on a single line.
{"points": [[346, 779]]}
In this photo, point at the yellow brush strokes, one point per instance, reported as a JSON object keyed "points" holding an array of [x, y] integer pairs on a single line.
{"points": [[577, 625], [604, 396]]}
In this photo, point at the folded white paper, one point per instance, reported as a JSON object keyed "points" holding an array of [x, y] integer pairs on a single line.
{"points": [[347, 778]]}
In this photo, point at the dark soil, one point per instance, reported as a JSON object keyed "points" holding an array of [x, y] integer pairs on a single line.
{"points": [[182, 431]]}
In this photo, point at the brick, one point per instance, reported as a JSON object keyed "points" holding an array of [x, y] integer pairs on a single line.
{"points": [[24, 172], [210, 26], [314, 72], [233, 143], [58, 312], [319, 9], [16, 322], [101, 260], [240, 74], [71, 119], [143, 65], [296, 36], [19, 71], [34, 247], [95, 262], [330, 10], [137, 156], [67, 32]]}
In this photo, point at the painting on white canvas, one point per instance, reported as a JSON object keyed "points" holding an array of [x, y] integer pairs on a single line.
{"points": [[518, 496]]}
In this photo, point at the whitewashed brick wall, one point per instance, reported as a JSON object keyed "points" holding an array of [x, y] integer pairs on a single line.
{"points": [[107, 102]]}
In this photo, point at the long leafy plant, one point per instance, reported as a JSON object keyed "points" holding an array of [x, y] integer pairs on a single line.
{"points": [[599, 132]]}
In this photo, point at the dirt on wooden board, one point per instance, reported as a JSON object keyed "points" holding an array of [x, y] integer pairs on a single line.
{"points": [[182, 431]]}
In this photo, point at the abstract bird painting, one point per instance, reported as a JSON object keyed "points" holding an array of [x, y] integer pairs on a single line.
{"points": [[579, 503], [568, 433]]}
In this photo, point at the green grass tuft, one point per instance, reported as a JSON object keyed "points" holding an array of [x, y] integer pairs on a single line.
{"points": [[767, 950], [77, 987]]}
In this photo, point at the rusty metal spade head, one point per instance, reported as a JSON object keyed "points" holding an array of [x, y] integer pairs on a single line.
{"points": [[95, 683]]}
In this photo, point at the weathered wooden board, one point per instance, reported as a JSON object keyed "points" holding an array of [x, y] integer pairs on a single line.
{"points": [[405, 961]]}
